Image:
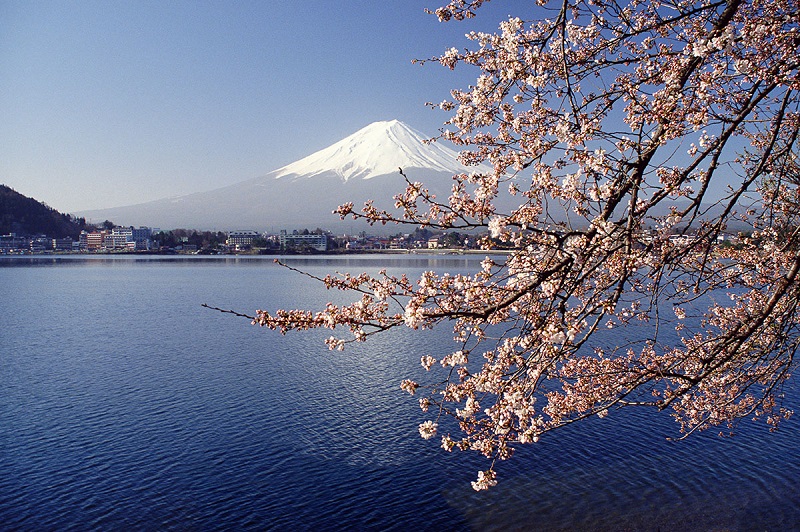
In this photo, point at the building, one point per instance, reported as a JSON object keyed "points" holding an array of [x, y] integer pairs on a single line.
{"points": [[93, 241], [241, 239], [62, 244], [12, 242], [41, 243], [143, 236], [118, 240], [316, 242]]}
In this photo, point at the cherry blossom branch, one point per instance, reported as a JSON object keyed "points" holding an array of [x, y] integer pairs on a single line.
{"points": [[597, 120]]}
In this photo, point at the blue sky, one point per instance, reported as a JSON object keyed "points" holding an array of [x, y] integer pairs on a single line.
{"points": [[111, 103]]}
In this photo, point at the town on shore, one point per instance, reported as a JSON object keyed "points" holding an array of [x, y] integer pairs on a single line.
{"points": [[109, 238]]}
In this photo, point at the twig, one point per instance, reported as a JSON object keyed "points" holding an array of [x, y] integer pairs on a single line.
{"points": [[239, 314]]}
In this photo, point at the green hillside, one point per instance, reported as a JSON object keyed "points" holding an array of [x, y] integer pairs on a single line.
{"points": [[26, 216]]}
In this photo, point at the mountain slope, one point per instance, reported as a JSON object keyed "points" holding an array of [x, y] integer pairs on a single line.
{"points": [[303, 194], [26, 216]]}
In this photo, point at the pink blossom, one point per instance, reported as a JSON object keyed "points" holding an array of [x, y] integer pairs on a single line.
{"points": [[428, 429]]}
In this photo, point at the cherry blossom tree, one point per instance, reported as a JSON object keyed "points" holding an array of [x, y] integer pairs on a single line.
{"points": [[628, 139]]}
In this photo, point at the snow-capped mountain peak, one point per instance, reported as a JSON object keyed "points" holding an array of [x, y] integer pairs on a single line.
{"points": [[377, 149]]}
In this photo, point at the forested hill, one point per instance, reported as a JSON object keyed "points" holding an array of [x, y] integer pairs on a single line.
{"points": [[26, 216]]}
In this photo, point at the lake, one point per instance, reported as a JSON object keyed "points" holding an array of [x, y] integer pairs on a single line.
{"points": [[126, 405]]}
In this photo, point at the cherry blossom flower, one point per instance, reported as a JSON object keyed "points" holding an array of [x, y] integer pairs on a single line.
{"points": [[428, 429]]}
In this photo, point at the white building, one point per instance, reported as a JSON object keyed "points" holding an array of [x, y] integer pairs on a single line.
{"points": [[118, 239], [241, 239], [317, 242]]}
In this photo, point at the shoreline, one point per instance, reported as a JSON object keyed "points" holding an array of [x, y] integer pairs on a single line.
{"points": [[261, 253]]}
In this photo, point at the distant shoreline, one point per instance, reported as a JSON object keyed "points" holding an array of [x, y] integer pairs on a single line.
{"points": [[266, 253]]}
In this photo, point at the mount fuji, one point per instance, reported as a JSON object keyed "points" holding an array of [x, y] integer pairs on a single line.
{"points": [[304, 193]]}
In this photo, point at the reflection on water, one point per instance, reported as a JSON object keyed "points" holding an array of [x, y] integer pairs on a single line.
{"points": [[125, 405], [436, 262]]}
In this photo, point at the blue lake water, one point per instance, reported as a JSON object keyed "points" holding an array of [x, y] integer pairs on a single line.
{"points": [[124, 405]]}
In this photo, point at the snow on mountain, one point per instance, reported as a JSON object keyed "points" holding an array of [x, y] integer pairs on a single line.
{"points": [[378, 149], [303, 194]]}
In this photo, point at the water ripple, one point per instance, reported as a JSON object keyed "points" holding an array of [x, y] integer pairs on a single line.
{"points": [[142, 411]]}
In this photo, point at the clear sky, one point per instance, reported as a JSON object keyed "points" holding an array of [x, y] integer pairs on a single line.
{"points": [[109, 103]]}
